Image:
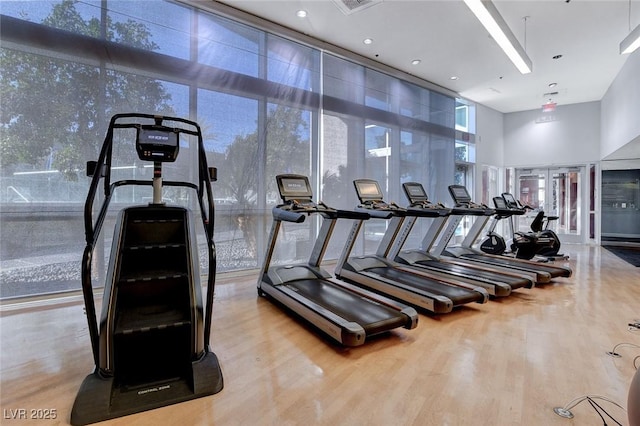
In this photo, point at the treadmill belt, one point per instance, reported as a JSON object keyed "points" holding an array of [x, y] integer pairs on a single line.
{"points": [[458, 295], [513, 282], [372, 316], [515, 264]]}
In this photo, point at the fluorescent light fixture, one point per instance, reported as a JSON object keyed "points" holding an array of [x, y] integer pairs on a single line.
{"points": [[631, 42], [489, 16]]}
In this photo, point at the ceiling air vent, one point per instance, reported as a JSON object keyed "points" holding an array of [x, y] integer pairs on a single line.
{"points": [[352, 6]]}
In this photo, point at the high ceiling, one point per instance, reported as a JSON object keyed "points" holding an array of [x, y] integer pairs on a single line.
{"points": [[449, 41]]}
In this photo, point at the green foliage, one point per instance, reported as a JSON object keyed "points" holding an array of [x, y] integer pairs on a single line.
{"points": [[58, 108], [278, 145]]}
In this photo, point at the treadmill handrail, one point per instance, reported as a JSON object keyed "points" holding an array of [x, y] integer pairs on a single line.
{"points": [[376, 214], [352, 214], [296, 213], [287, 215], [472, 211], [425, 212]]}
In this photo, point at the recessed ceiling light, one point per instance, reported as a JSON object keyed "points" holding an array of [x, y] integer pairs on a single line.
{"points": [[415, 62], [453, 77], [367, 41], [557, 57], [301, 14], [552, 85]]}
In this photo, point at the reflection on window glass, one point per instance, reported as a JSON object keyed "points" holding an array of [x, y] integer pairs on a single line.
{"points": [[231, 137], [378, 154], [343, 79], [228, 45], [77, 17], [151, 25], [378, 90], [291, 64], [225, 83]]}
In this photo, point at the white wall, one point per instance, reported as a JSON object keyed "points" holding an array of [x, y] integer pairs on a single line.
{"points": [[489, 144], [489, 136], [573, 138], [620, 108]]}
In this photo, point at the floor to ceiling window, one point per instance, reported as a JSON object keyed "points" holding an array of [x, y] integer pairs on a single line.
{"points": [[266, 104]]}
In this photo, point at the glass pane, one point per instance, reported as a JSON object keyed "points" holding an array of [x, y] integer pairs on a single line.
{"points": [[230, 128], [77, 17], [228, 45], [288, 151], [343, 79], [151, 25], [378, 90], [532, 193], [565, 202], [621, 205], [292, 64]]}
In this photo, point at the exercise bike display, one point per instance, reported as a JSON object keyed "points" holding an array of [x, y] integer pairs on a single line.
{"points": [[151, 345]]}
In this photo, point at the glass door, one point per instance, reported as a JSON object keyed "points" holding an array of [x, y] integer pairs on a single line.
{"points": [[558, 192]]}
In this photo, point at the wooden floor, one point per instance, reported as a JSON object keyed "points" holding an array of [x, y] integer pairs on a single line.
{"points": [[507, 362]]}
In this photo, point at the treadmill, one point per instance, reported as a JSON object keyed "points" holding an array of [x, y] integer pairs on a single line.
{"points": [[466, 253], [498, 284], [345, 312], [385, 276]]}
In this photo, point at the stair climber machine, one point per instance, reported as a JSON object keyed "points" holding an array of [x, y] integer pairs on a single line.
{"points": [[151, 346], [550, 243], [345, 312], [468, 254], [496, 283], [378, 273]]}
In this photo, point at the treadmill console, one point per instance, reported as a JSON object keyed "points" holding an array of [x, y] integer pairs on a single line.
{"points": [[459, 194], [418, 199], [294, 187], [415, 192], [368, 190], [157, 143]]}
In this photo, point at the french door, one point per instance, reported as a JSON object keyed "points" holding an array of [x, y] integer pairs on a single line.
{"points": [[559, 192]]}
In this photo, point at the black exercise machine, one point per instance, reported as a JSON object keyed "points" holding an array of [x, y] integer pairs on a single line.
{"points": [[523, 245], [497, 283], [345, 312], [550, 248], [151, 346], [495, 243], [467, 253], [379, 273]]}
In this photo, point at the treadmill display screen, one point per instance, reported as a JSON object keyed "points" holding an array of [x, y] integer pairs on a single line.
{"points": [[460, 193], [416, 191], [368, 189], [291, 187]]}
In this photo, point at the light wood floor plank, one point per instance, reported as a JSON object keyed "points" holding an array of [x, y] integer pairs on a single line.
{"points": [[507, 362]]}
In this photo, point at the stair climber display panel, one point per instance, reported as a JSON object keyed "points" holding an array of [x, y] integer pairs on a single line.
{"points": [[151, 345]]}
